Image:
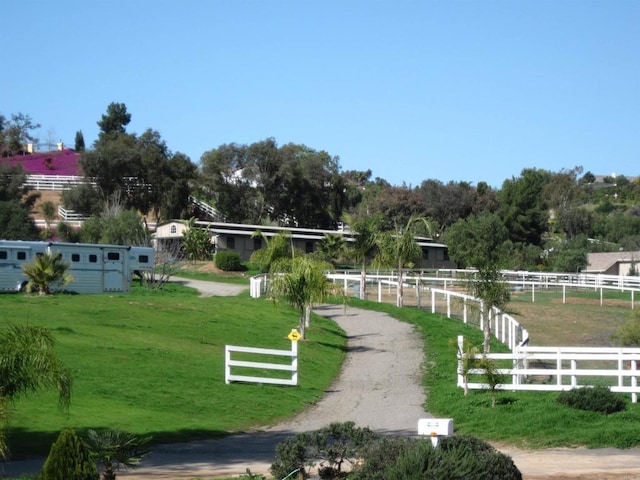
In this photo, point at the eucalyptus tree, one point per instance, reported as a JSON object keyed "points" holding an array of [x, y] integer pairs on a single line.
{"points": [[524, 207], [293, 185], [16, 133], [141, 169], [16, 203], [28, 364], [482, 242], [399, 248]]}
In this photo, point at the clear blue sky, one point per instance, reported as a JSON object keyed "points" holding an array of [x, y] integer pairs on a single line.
{"points": [[450, 90]]}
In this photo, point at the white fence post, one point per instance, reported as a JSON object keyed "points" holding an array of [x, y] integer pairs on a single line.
{"points": [[291, 367], [618, 365]]}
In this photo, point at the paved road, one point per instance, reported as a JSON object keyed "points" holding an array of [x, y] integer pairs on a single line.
{"points": [[379, 387]]}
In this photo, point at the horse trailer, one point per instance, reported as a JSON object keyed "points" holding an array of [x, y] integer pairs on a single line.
{"points": [[95, 268]]}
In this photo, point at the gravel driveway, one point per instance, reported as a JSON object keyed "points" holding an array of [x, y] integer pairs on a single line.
{"points": [[379, 387]]}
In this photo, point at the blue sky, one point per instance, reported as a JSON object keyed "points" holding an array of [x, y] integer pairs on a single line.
{"points": [[413, 90]]}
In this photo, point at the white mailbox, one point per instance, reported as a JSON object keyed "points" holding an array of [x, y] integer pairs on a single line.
{"points": [[435, 427]]}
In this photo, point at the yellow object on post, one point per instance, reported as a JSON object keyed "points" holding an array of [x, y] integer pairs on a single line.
{"points": [[294, 335]]}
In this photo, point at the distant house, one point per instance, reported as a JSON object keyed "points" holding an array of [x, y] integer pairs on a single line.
{"points": [[612, 263], [240, 238]]}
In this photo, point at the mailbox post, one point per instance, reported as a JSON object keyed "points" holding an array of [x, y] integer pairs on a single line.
{"points": [[435, 428]]}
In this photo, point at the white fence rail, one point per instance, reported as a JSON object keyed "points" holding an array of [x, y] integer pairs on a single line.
{"points": [[559, 369], [503, 326], [54, 182], [231, 364]]}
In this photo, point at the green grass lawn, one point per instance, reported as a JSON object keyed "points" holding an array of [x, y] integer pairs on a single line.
{"points": [[153, 363], [524, 419]]}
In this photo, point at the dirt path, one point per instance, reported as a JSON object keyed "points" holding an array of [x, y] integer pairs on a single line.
{"points": [[380, 386]]}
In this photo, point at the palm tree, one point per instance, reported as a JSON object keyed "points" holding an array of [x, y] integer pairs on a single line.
{"points": [[113, 448], [280, 246], [27, 365], [397, 249], [489, 287], [332, 247], [365, 234], [46, 270], [300, 282]]}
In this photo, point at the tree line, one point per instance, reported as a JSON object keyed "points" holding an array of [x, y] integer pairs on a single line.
{"points": [[537, 220]]}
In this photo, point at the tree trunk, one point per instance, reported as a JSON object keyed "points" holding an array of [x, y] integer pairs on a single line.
{"points": [[486, 328], [400, 289], [301, 324]]}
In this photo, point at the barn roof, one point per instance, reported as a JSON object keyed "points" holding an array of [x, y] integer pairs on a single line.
{"points": [[602, 261]]}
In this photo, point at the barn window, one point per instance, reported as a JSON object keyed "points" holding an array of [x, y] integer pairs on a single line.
{"points": [[75, 257], [308, 247], [174, 229], [93, 258], [257, 243], [22, 255], [113, 256], [143, 259], [3, 255]]}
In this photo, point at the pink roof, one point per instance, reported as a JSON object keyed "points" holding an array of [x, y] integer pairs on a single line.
{"points": [[62, 162]]}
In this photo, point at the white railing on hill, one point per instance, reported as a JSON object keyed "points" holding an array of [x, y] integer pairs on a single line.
{"points": [[503, 326], [70, 215], [208, 209], [236, 364], [54, 182], [558, 369]]}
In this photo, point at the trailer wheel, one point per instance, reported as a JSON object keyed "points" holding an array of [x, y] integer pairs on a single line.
{"points": [[22, 287]]}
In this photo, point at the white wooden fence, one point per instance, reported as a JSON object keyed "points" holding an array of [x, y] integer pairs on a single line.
{"points": [[292, 367], [54, 182], [503, 326], [559, 369]]}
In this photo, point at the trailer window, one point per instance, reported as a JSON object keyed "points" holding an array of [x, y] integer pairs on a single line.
{"points": [[22, 255], [143, 259], [93, 258], [113, 256], [75, 257], [3, 255]]}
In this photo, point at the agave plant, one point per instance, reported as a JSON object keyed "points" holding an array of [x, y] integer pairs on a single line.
{"points": [[112, 449]]}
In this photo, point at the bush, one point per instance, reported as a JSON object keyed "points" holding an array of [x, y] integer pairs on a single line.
{"points": [[628, 334], [333, 446], [68, 460], [228, 261], [455, 457], [593, 399], [291, 455]]}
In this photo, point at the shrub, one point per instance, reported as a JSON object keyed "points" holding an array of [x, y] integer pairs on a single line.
{"points": [[291, 455], [333, 446], [228, 261], [628, 334], [68, 460], [593, 399], [455, 457]]}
